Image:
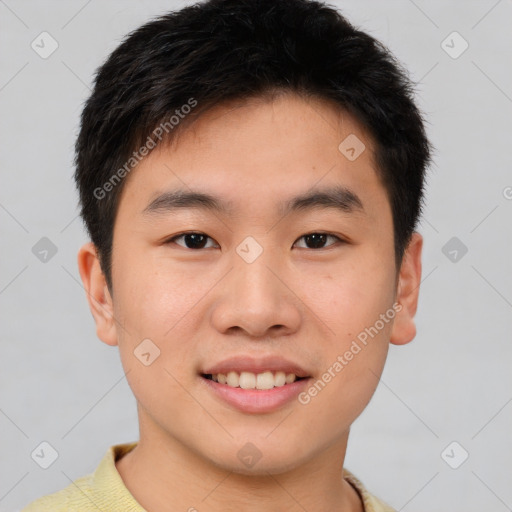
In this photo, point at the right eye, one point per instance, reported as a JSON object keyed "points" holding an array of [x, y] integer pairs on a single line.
{"points": [[192, 239]]}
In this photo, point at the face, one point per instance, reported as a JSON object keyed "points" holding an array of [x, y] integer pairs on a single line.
{"points": [[283, 276]]}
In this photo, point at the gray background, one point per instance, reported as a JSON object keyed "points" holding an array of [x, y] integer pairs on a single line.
{"points": [[62, 385]]}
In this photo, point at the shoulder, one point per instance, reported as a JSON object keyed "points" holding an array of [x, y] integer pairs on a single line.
{"points": [[70, 498], [103, 489], [370, 502]]}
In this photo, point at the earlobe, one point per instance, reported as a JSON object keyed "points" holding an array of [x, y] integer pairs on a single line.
{"points": [[98, 295], [404, 328]]}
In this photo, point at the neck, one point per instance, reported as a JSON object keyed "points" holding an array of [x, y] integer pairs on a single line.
{"points": [[161, 473]]}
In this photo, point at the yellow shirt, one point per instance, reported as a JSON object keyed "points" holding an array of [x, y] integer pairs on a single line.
{"points": [[105, 490]]}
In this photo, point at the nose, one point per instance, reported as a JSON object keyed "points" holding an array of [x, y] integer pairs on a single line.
{"points": [[257, 299]]}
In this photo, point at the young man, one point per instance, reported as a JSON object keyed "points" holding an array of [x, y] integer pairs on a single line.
{"points": [[251, 173]]}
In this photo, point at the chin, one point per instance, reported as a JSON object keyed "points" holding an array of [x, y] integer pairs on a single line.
{"points": [[259, 459]]}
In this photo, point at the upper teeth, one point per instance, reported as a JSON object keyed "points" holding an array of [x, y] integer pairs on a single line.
{"points": [[248, 380]]}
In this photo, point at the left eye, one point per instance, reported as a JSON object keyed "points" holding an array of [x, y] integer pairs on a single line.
{"points": [[317, 240], [198, 240]]}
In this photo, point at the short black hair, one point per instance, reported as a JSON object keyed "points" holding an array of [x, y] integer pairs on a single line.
{"points": [[214, 52]]}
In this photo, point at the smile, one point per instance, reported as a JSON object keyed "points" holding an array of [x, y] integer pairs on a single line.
{"points": [[249, 380]]}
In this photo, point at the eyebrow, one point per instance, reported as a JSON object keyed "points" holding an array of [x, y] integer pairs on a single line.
{"points": [[338, 198]]}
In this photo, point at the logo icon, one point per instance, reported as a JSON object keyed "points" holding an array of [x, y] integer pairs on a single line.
{"points": [[44, 250], [352, 147], [454, 250], [44, 45], [146, 352], [454, 455], [44, 455], [249, 455], [249, 249], [454, 45]]}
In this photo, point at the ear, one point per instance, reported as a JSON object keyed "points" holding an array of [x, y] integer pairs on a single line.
{"points": [[409, 279], [98, 295]]}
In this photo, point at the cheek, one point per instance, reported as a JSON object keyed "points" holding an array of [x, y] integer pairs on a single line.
{"points": [[348, 297], [353, 357], [154, 341], [153, 296], [355, 301]]}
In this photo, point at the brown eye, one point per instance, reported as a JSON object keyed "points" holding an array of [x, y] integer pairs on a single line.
{"points": [[318, 240], [191, 240]]}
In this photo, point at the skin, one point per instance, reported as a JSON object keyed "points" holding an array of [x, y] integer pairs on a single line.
{"points": [[200, 306]]}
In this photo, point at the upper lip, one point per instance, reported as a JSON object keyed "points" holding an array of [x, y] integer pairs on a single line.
{"points": [[256, 365]]}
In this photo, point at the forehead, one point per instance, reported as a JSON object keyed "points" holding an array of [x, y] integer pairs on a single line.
{"points": [[262, 152]]}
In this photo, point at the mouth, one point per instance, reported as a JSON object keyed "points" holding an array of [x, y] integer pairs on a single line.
{"points": [[255, 385], [262, 391], [254, 381]]}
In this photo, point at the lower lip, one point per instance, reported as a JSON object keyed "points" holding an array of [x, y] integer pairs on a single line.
{"points": [[257, 401]]}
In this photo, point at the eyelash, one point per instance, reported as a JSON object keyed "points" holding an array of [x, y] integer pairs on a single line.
{"points": [[172, 240]]}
